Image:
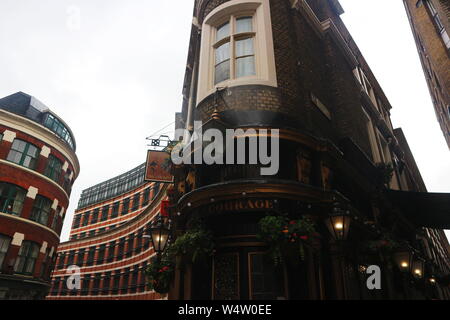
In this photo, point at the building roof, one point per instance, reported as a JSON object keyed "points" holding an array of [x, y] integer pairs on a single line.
{"points": [[29, 107], [113, 187]]}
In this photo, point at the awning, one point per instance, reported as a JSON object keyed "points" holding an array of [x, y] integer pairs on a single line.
{"points": [[423, 209]]}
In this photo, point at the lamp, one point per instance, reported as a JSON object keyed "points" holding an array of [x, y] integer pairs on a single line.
{"points": [[418, 268], [338, 224], [159, 235], [403, 259]]}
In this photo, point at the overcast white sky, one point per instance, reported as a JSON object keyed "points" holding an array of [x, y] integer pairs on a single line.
{"points": [[115, 75]]}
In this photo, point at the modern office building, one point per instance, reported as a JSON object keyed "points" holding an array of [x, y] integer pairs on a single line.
{"points": [[292, 65], [38, 167], [430, 23], [107, 243]]}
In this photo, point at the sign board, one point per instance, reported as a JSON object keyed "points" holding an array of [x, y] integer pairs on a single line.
{"points": [[158, 166]]}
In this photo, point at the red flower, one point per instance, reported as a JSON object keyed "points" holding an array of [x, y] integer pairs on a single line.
{"points": [[304, 237], [292, 222]]}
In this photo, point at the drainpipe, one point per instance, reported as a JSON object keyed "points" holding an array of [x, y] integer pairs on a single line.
{"points": [[194, 81]]}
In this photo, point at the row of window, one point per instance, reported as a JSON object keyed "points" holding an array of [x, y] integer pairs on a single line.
{"points": [[27, 154], [57, 127], [121, 282], [116, 250], [113, 187], [12, 199], [25, 262], [112, 211]]}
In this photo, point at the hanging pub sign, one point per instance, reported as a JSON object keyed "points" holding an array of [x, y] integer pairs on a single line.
{"points": [[157, 168]]}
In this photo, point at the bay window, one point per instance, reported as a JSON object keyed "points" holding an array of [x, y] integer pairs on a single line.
{"points": [[236, 47]]}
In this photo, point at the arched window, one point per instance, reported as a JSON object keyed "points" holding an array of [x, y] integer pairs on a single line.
{"points": [[41, 210], [24, 154], [11, 198], [4, 246], [26, 259]]}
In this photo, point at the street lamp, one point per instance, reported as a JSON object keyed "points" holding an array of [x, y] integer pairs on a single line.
{"points": [[159, 235], [338, 224], [403, 259]]}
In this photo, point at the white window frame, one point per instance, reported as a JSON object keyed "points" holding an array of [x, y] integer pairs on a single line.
{"points": [[263, 46]]}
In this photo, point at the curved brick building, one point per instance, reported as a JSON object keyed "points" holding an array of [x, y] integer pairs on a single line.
{"points": [[38, 167], [107, 240]]}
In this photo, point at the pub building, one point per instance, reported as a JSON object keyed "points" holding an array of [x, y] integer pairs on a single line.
{"points": [[345, 172]]}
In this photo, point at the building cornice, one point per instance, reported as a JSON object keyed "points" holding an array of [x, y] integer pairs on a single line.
{"points": [[10, 216]]}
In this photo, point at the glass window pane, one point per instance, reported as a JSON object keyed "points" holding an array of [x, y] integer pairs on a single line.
{"points": [[245, 67], [244, 24], [244, 47], [223, 53], [222, 72], [223, 31]]}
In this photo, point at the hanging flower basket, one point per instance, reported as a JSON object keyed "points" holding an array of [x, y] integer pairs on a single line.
{"points": [[285, 237], [160, 275]]}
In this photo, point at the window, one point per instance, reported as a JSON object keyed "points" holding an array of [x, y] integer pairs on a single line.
{"points": [[438, 23], [57, 127], [96, 285], [121, 249], [41, 210], [23, 153], [105, 211], [126, 278], [115, 210], [62, 258], [86, 218], [236, 47], [94, 218], [67, 181], [11, 198], [101, 254], [55, 218], [54, 168], [112, 246], [4, 246], [71, 258], [80, 258], [26, 259], [85, 285], [76, 221], [146, 197], [125, 206], [136, 199], [91, 255], [106, 282]]}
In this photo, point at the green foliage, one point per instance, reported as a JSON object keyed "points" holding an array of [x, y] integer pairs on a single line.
{"points": [[284, 235], [160, 274], [384, 243], [193, 244]]}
